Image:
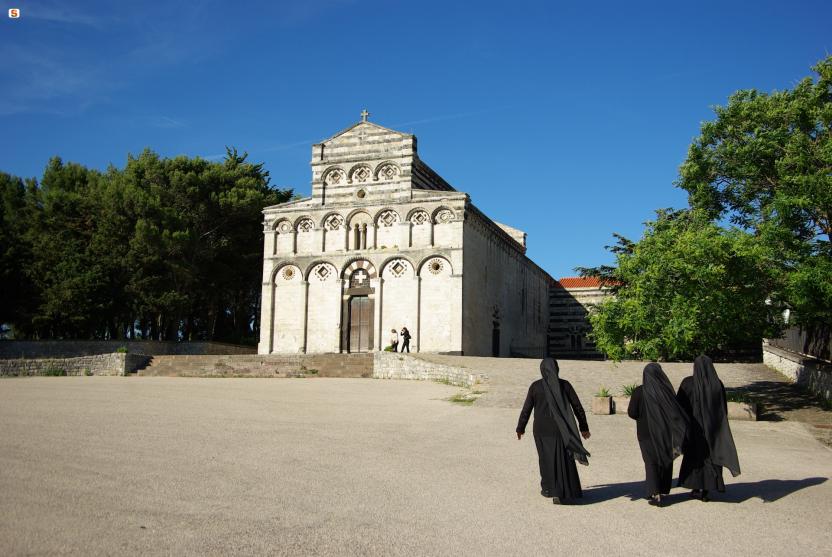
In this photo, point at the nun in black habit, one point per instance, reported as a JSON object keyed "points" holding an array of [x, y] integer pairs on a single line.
{"points": [[710, 445], [557, 439], [661, 426]]}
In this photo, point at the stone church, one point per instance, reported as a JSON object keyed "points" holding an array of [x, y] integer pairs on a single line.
{"points": [[384, 243]]}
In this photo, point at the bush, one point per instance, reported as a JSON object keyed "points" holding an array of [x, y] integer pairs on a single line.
{"points": [[54, 372], [388, 348], [603, 391], [88, 372], [627, 390], [121, 350]]}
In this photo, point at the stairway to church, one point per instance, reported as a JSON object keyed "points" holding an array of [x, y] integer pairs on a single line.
{"points": [[256, 365]]}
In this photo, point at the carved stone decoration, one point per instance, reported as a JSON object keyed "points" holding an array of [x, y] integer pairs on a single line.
{"points": [[436, 265], [334, 177], [388, 218], [323, 272], [361, 174], [289, 273], [305, 225], [419, 217], [444, 216], [284, 227], [398, 268], [334, 222], [388, 172]]}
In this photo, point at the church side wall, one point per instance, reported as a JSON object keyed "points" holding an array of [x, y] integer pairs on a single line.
{"points": [[504, 292]]}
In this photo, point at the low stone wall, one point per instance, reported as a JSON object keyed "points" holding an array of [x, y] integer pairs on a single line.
{"points": [[99, 364], [392, 365], [15, 349], [814, 374]]}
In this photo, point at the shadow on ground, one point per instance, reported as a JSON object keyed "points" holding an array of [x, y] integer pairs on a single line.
{"points": [[779, 399], [767, 490]]}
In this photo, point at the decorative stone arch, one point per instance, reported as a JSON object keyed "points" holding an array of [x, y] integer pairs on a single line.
{"points": [[314, 272], [326, 223], [278, 272], [356, 263], [386, 216], [283, 226], [386, 171], [426, 265], [304, 223], [360, 173], [442, 215], [334, 176], [421, 213], [397, 258], [352, 214]]}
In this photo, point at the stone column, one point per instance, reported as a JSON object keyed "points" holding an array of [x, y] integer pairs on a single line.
{"points": [[266, 314], [405, 234], [269, 242], [371, 237], [345, 237], [318, 238], [417, 313], [431, 233], [376, 296], [305, 286]]}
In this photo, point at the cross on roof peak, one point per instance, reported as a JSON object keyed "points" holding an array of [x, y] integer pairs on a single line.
{"points": [[364, 115]]}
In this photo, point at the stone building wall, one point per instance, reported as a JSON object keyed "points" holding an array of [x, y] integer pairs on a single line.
{"points": [[74, 348], [99, 364], [569, 328], [503, 291]]}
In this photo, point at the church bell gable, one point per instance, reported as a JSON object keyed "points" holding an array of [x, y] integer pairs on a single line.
{"points": [[364, 163]]}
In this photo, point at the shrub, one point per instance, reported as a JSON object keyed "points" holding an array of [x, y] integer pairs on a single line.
{"points": [[54, 372], [388, 348], [603, 391], [627, 390], [88, 372], [121, 350]]}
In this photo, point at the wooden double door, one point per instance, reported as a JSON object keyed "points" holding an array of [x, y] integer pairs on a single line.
{"points": [[360, 324]]}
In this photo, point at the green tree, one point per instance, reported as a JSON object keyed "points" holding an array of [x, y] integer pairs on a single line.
{"points": [[17, 296], [765, 163], [687, 286]]}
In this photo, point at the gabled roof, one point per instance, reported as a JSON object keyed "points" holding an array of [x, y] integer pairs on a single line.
{"points": [[366, 124]]}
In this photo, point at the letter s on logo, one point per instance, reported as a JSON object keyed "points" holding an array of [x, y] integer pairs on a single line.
{"points": [[14, 13]]}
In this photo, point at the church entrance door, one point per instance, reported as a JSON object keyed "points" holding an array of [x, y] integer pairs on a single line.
{"points": [[361, 319]]}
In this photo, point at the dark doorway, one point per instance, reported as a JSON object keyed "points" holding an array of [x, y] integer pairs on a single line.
{"points": [[361, 317], [495, 340]]}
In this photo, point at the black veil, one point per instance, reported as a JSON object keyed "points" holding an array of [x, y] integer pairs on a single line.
{"points": [[709, 410], [562, 411], [667, 420]]}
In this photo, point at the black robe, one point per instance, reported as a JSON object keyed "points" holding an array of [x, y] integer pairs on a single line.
{"points": [[659, 477], [558, 473], [661, 426], [710, 444]]}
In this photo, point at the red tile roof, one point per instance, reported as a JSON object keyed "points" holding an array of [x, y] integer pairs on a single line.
{"points": [[580, 282]]}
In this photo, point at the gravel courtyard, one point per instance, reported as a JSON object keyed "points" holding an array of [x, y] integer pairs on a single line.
{"points": [[172, 466]]}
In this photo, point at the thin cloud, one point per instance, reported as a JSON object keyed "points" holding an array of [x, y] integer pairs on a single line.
{"points": [[456, 116], [166, 122], [57, 14]]}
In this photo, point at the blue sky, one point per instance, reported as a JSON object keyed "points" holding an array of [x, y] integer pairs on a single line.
{"points": [[565, 119]]}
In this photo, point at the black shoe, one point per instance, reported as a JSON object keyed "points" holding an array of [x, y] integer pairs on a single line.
{"points": [[545, 493], [557, 501], [696, 494], [705, 497], [656, 500]]}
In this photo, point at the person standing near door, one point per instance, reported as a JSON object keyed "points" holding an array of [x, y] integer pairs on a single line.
{"points": [[394, 340], [405, 340]]}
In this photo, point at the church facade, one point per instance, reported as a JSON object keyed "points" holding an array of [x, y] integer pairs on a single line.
{"points": [[385, 243]]}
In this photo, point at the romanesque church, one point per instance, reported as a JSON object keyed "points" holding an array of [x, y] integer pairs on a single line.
{"points": [[384, 243]]}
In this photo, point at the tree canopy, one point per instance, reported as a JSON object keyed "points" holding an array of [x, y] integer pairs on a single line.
{"points": [[687, 286], [754, 241], [163, 248], [765, 164]]}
